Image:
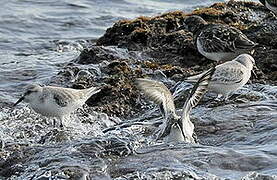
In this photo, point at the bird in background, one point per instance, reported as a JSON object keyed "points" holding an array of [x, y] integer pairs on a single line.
{"points": [[229, 76], [270, 4], [217, 42], [56, 102], [175, 127]]}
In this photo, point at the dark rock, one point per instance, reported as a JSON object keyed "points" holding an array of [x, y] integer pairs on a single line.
{"points": [[95, 55], [159, 37], [11, 164]]}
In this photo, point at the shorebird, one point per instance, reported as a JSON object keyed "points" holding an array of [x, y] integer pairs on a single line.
{"points": [[56, 102], [217, 42], [175, 127], [270, 4], [229, 76]]}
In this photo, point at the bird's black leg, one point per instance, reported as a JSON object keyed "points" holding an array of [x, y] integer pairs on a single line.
{"points": [[54, 122], [61, 123]]}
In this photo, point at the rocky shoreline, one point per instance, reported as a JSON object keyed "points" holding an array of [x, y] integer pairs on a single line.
{"points": [[153, 47], [140, 47]]}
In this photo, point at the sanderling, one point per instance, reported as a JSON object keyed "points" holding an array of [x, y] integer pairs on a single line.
{"points": [[270, 4], [174, 127], [217, 41], [229, 76], [57, 102]]}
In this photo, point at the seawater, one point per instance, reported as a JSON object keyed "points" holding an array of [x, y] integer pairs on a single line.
{"points": [[37, 38]]}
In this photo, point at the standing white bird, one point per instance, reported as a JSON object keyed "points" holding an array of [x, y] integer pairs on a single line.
{"points": [[57, 102], [229, 76], [174, 127], [217, 42]]}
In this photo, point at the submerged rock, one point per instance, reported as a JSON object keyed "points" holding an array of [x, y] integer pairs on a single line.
{"points": [[80, 160]]}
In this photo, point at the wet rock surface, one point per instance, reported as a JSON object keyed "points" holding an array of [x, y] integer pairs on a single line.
{"points": [[160, 38], [110, 138]]}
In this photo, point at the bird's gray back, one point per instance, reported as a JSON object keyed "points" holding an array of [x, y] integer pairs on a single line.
{"points": [[229, 73], [63, 96], [223, 38]]}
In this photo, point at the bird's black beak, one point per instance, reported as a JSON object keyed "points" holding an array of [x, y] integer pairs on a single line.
{"points": [[19, 100]]}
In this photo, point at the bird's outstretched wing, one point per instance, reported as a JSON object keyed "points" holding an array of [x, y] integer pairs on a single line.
{"points": [[157, 92], [197, 92], [160, 94]]}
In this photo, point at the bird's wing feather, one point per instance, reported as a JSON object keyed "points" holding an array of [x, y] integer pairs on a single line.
{"points": [[228, 73], [197, 92], [242, 41], [160, 94], [65, 96], [62, 96], [157, 92], [59, 99], [215, 38], [194, 78]]}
